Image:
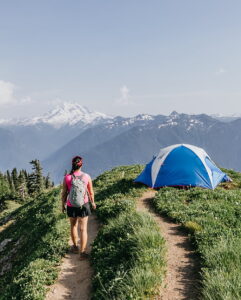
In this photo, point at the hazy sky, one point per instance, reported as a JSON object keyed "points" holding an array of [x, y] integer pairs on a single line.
{"points": [[120, 57]]}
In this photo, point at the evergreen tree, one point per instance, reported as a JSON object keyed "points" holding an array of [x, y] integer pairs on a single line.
{"points": [[4, 186], [14, 176], [10, 181], [4, 190], [31, 184], [35, 179], [22, 186], [48, 182], [25, 174]]}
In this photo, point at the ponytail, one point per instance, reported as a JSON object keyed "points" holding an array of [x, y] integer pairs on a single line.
{"points": [[77, 163]]}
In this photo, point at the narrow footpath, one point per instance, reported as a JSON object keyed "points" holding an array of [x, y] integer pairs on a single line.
{"points": [[74, 281], [182, 274]]}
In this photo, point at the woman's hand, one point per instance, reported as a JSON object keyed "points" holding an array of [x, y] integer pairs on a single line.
{"points": [[63, 208], [93, 205]]}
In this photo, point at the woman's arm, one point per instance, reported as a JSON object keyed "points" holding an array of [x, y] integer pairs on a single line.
{"points": [[64, 195], [91, 193]]}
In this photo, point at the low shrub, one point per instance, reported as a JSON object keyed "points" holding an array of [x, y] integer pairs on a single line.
{"points": [[192, 226]]}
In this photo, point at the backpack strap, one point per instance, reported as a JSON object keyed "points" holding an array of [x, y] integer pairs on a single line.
{"points": [[86, 192], [80, 177]]}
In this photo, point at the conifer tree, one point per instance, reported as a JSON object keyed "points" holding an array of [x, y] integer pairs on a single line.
{"points": [[4, 190], [35, 179], [48, 182], [10, 181], [22, 186], [14, 176], [25, 174], [3, 184]]}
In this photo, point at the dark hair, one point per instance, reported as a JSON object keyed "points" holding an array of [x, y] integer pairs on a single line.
{"points": [[77, 163]]}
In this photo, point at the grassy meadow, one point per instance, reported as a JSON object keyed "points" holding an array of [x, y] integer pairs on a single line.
{"points": [[128, 254], [213, 220]]}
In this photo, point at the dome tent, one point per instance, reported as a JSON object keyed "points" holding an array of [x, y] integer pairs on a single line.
{"points": [[182, 165]]}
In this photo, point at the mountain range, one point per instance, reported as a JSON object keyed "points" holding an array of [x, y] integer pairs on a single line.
{"points": [[105, 141]]}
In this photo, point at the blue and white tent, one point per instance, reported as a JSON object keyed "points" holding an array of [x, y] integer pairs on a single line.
{"points": [[182, 165]]}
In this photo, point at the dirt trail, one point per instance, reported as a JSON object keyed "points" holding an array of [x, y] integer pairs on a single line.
{"points": [[74, 281], [183, 268]]}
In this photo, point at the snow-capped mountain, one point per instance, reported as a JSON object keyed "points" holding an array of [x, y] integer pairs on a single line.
{"points": [[186, 122], [129, 140], [67, 113], [226, 117], [105, 141], [39, 136]]}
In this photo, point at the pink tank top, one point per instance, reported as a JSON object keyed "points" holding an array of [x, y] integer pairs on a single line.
{"points": [[68, 181]]}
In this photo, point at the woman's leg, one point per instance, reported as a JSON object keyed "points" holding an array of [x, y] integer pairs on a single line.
{"points": [[83, 233], [74, 230]]}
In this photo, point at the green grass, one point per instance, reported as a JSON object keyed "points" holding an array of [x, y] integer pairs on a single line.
{"points": [[10, 207], [128, 253], [39, 239], [213, 219], [128, 257]]}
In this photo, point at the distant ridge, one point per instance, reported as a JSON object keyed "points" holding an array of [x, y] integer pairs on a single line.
{"points": [[106, 141], [74, 114], [226, 117], [64, 114]]}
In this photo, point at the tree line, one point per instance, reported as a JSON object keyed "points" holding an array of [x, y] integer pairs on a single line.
{"points": [[21, 185]]}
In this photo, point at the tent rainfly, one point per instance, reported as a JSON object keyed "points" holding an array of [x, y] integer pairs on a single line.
{"points": [[182, 165]]}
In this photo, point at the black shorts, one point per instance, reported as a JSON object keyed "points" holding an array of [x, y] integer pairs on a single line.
{"points": [[74, 212]]}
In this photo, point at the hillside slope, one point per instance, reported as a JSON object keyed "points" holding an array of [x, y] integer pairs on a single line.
{"points": [[35, 236], [31, 245]]}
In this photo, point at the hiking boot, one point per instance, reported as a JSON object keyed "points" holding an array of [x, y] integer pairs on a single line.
{"points": [[84, 256], [74, 249]]}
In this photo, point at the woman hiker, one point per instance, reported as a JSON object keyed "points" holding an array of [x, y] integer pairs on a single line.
{"points": [[78, 193]]}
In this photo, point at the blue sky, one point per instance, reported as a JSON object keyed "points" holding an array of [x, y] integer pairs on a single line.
{"points": [[120, 57]]}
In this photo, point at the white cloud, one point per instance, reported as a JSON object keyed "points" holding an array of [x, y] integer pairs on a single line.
{"points": [[55, 101], [125, 96], [8, 97], [6, 92], [25, 100], [220, 71]]}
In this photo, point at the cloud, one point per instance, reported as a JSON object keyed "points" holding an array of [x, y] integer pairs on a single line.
{"points": [[125, 96], [55, 101], [25, 100], [220, 71], [8, 97], [6, 92]]}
